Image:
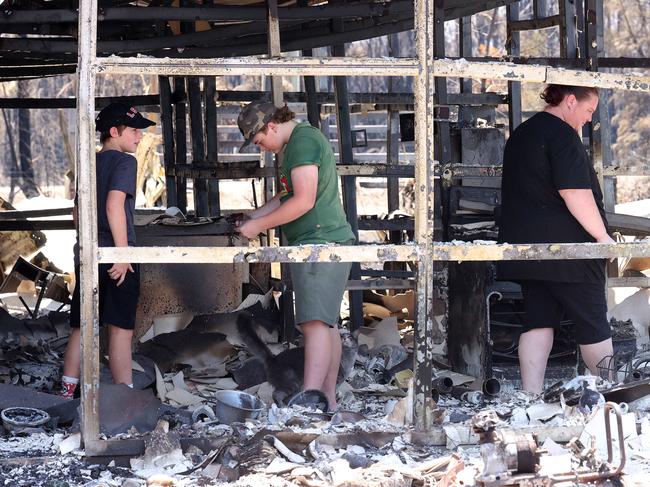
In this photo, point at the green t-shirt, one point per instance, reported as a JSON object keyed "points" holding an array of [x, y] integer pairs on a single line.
{"points": [[326, 221]]}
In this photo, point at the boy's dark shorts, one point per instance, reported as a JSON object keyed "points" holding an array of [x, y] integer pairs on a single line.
{"points": [[584, 303], [117, 304]]}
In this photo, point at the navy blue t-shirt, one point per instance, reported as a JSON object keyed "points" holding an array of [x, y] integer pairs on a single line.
{"points": [[115, 171]]}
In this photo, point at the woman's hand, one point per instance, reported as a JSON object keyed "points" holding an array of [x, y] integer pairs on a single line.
{"points": [[250, 228]]}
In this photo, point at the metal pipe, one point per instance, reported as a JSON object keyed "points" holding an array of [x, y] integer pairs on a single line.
{"points": [[468, 395], [491, 387], [443, 384]]}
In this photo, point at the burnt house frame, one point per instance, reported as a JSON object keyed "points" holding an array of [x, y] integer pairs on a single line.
{"points": [[271, 29]]}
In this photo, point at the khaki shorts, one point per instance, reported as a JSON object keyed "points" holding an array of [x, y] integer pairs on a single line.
{"points": [[318, 289]]}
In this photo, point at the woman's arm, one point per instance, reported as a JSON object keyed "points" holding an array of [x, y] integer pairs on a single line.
{"points": [[582, 206], [305, 187]]}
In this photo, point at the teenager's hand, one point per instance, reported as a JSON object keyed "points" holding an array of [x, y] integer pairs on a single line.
{"points": [[250, 229], [237, 219], [118, 272]]}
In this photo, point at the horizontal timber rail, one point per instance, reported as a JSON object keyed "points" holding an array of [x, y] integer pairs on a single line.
{"points": [[341, 66], [441, 251], [539, 74], [252, 169], [365, 66], [449, 171]]}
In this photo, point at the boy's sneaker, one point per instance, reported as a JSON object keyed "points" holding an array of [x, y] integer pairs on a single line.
{"points": [[68, 386]]}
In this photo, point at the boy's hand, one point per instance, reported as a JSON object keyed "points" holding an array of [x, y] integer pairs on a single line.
{"points": [[118, 272], [250, 229]]}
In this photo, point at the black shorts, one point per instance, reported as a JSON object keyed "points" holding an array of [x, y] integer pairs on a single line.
{"points": [[584, 303], [117, 304]]}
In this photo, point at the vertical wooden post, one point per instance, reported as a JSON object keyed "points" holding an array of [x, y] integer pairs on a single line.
{"points": [[198, 144], [212, 141], [392, 139], [349, 183], [424, 212], [465, 39], [167, 127], [181, 140], [88, 220], [514, 87]]}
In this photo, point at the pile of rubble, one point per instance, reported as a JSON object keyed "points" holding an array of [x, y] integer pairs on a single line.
{"points": [[202, 412]]}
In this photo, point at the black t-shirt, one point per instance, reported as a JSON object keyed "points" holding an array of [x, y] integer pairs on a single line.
{"points": [[115, 171], [542, 156]]}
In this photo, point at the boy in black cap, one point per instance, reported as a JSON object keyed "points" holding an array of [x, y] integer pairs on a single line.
{"points": [[120, 128]]}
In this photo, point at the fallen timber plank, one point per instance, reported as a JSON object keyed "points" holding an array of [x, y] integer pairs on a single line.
{"points": [[441, 251], [643, 282], [628, 224]]}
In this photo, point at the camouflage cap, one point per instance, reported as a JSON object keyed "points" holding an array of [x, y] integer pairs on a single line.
{"points": [[252, 118]]}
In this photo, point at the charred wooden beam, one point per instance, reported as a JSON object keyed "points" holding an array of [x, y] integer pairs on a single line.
{"points": [[34, 225], [217, 13], [252, 169], [218, 37], [534, 24], [223, 41], [100, 102], [455, 9]]}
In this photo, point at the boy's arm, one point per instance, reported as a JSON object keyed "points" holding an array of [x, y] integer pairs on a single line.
{"points": [[117, 223], [305, 188], [268, 207]]}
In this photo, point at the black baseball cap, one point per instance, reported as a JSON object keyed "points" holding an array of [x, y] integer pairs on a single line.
{"points": [[117, 114]]}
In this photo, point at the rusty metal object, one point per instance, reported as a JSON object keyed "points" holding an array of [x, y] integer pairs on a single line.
{"points": [[612, 472], [504, 452]]}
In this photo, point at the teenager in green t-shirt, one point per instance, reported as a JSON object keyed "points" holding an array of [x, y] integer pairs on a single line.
{"points": [[309, 210]]}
